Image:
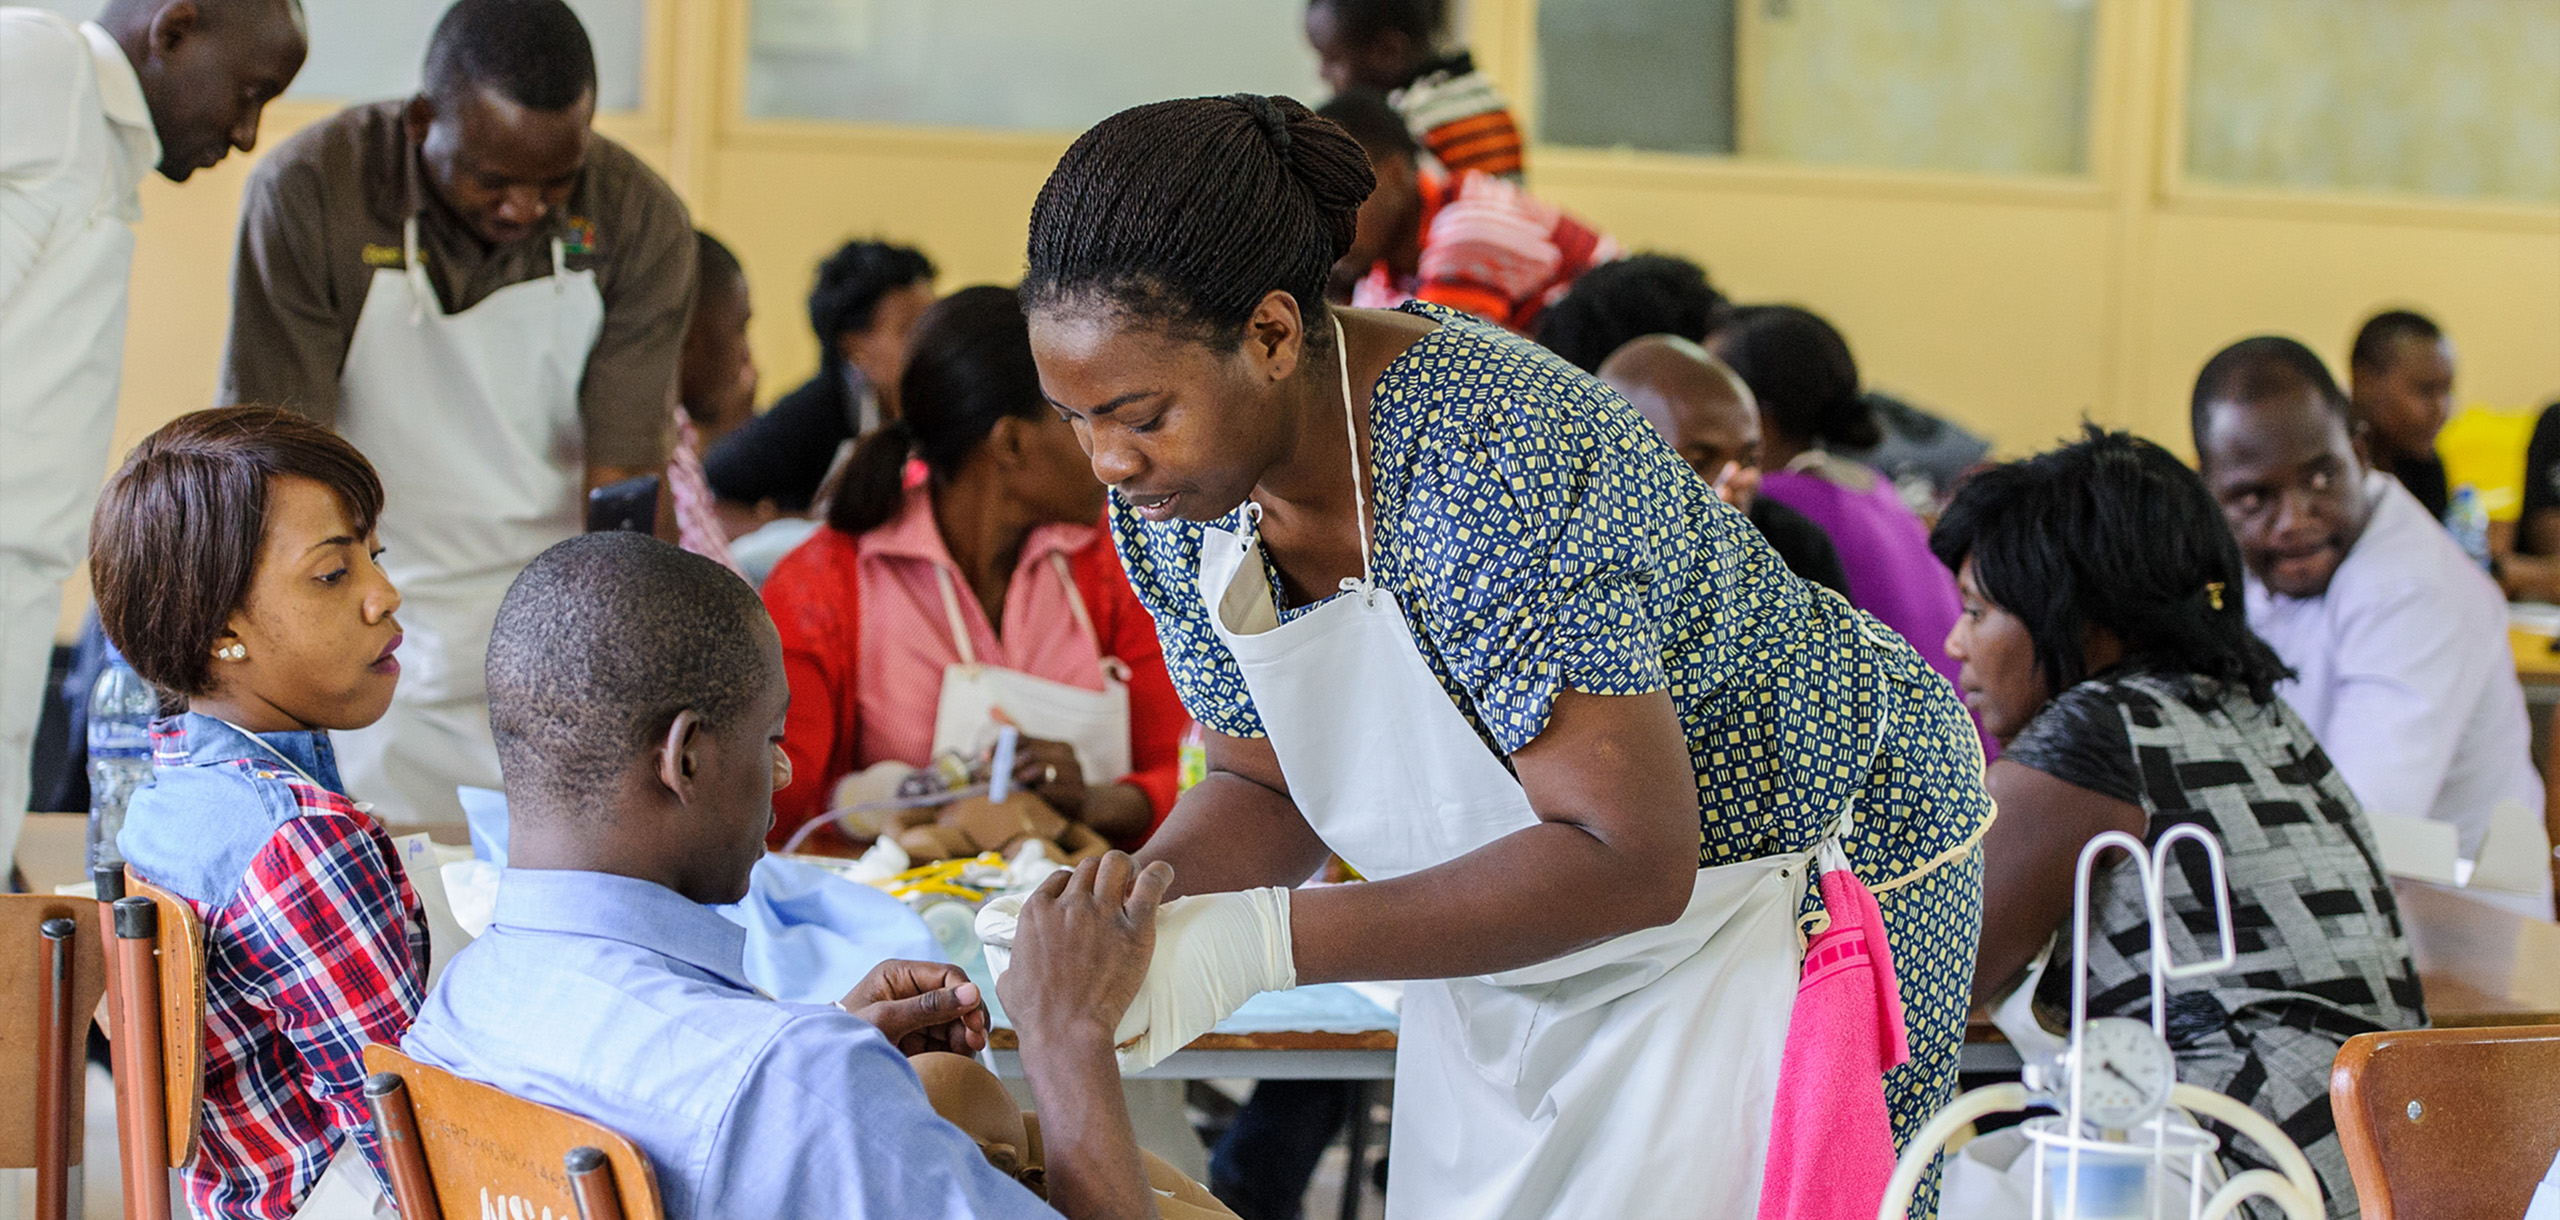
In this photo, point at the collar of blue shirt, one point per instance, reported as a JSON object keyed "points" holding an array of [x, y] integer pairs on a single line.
{"points": [[643, 914], [201, 741]]}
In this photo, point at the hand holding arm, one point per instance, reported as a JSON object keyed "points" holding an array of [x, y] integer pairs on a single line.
{"points": [[1085, 939]]}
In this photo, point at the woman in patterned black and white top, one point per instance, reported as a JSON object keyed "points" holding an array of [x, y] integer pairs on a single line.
{"points": [[2104, 643]]}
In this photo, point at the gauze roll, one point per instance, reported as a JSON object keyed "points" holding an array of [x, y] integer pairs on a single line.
{"points": [[1213, 952]]}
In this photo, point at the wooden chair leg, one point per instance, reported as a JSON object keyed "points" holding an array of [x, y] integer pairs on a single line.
{"points": [[108, 883], [53, 1079], [396, 1125], [591, 1184], [142, 1099]]}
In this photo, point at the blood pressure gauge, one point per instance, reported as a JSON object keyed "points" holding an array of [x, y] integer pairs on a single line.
{"points": [[2124, 1072]]}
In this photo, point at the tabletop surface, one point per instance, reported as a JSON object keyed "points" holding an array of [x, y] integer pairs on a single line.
{"points": [[2480, 965], [2536, 664]]}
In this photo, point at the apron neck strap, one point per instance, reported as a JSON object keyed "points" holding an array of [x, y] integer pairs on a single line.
{"points": [[951, 611], [559, 266], [1359, 494], [1110, 665], [420, 290]]}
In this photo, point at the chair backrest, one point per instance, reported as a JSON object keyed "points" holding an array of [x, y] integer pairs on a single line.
{"points": [[2448, 1124], [53, 972], [178, 950], [460, 1150], [155, 993]]}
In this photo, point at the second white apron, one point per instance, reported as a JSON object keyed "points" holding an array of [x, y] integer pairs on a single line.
{"points": [[976, 698], [472, 420]]}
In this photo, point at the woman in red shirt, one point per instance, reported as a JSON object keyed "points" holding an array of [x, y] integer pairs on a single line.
{"points": [[928, 611]]}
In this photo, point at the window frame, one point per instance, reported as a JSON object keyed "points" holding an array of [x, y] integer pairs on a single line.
{"points": [[1504, 37], [2182, 193]]}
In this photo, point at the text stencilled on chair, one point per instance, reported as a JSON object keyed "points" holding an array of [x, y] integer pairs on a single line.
{"points": [[515, 1207]]}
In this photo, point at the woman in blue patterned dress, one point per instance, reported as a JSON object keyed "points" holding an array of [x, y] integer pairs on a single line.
{"points": [[1447, 608]]}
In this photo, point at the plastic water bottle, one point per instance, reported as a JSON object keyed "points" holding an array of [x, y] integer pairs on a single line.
{"points": [[2468, 519], [120, 710], [1194, 757]]}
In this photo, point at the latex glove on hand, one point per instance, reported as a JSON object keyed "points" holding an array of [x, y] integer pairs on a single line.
{"points": [[1212, 953]]}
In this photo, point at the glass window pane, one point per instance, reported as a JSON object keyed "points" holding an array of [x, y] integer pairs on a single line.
{"points": [[1035, 64], [363, 50], [1649, 74], [1997, 86], [2440, 97]]}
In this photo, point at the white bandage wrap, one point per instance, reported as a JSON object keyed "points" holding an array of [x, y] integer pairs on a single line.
{"points": [[1213, 952]]}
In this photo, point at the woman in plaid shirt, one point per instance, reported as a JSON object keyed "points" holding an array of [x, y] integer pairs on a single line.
{"points": [[233, 556]]}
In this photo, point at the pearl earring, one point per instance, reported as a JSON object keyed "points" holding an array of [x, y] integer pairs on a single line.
{"points": [[232, 652]]}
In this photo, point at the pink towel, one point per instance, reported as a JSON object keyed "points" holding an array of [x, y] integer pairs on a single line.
{"points": [[1831, 1139]]}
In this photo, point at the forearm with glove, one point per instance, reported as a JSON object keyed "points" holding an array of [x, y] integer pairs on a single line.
{"points": [[1212, 953]]}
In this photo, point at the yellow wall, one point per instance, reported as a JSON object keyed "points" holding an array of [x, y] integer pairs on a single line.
{"points": [[2017, 304]]}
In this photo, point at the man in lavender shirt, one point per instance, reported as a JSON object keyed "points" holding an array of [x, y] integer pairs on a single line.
{"points": [[2397, 640], [1800, 370]]}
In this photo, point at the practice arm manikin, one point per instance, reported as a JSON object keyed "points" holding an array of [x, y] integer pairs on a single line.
{"points": [[1213, 952]]}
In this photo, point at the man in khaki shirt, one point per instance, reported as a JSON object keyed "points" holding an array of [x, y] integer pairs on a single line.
{"points": [[490, 300]]}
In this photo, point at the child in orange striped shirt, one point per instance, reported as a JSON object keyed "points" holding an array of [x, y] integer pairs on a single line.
{"points": [[1395, 47]]}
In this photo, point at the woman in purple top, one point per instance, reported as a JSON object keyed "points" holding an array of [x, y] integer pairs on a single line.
{"points": [[1800, 370]]}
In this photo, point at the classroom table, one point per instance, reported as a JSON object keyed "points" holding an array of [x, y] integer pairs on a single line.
{"points": [[2530, 635], [2478, 964], [1326, 1031], [2537, 667]]}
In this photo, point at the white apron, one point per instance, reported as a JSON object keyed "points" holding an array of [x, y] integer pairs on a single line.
{"points": [[472, 420], [1634, 1079], [977, 699]]}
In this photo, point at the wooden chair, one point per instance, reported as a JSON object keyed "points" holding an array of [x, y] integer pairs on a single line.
{"points": [[53, 971], [2448, 1124], [155, 1005], [459, 1150]]}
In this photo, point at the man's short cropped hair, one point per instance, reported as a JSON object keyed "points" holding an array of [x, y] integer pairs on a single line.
{"points": [[1617, 303], [601, 640], [177, 533], [2378, 340], [535, 53], [1362, 20], [1366, 115], [2261, 369], [715, 265]]}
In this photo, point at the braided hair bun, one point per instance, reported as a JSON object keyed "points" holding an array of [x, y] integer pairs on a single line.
{"points": [[1186, 213]]}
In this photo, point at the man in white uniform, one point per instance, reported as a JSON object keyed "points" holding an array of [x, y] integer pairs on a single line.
{"points": [[85, 111], [490, 300], [2397, 640]]}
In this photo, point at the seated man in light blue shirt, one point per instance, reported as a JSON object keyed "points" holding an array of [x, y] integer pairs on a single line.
{"points": [[637, 696]]}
